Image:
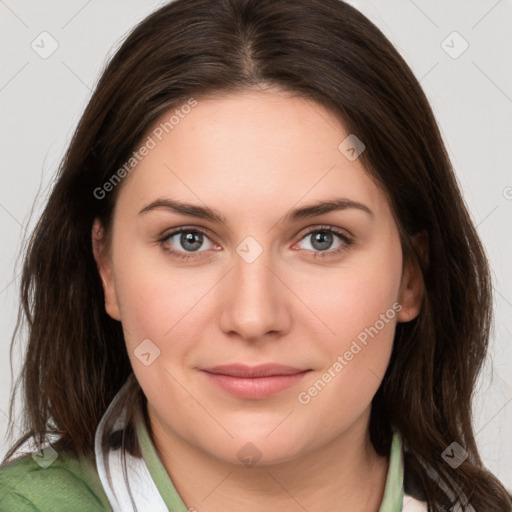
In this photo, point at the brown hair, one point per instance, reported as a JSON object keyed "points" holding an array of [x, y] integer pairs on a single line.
{"points": [[327, 51]]}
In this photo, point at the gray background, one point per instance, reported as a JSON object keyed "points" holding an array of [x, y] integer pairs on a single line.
{"points": [[42, 99]]}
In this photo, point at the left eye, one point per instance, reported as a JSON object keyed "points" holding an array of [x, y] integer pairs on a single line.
{"points": [[322, 240]]}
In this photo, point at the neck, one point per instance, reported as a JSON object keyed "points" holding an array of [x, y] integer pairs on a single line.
{"points": [[343, 475]]}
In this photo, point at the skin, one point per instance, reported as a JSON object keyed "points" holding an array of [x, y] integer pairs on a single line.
{"points": [[253, 156]]}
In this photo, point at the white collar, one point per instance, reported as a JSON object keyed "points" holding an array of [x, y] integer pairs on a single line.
{"points": [[125, 478]]}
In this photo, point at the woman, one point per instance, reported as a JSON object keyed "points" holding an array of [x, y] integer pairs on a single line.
{"points": [[317, 345]]}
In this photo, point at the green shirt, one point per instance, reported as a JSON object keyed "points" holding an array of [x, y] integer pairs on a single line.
{"points": [[72, 484]]}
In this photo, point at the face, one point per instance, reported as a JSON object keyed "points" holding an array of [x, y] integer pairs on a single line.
{"points": [[249, 274]]}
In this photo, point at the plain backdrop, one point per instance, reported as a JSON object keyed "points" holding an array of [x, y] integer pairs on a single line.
{"points": [[460, 50]]}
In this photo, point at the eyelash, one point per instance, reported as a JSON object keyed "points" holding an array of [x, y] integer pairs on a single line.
{"points": [[347, 242]]}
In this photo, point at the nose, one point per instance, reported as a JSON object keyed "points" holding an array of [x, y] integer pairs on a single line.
{"points": [[255, 302]]}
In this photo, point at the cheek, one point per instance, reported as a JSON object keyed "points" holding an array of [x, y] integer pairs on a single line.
{"points": [[359, 305], [160, 302], [145, 303], [353, 297], [354, 364], [149, 302], [159, 317]]}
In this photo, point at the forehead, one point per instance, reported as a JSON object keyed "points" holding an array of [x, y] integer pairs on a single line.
{"points": [[245, 151]]}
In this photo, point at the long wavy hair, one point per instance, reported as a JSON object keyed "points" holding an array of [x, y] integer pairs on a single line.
{"points": [[324, 50]]}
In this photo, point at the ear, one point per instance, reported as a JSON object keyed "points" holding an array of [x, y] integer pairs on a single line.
{"points": [[104, 264], [412, 286]]}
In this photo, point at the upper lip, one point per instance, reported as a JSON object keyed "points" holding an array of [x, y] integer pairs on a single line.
{"points": [[261, 370]]}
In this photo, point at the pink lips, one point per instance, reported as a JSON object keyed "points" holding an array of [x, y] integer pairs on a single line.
{"points": [[254, 382]]}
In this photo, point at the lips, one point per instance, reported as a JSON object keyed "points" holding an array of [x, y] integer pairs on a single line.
{"points": [[262, 370], [254, 382]]}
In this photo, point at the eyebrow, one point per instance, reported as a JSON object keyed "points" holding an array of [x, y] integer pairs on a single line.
{"points": [[304, 212]]}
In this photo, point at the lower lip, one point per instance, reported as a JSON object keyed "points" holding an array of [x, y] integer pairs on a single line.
{"points": [[257, 387]]}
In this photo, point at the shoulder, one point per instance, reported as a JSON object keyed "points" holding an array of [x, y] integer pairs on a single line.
{"points": [[51, 481]]}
